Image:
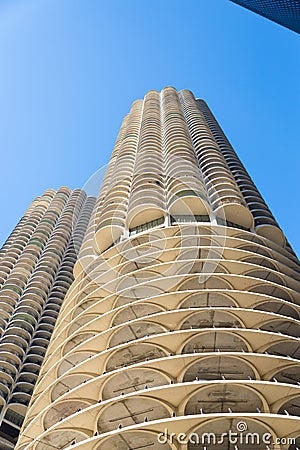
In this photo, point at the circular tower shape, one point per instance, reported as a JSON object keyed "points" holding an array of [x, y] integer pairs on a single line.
{"points": [[181, 325]]}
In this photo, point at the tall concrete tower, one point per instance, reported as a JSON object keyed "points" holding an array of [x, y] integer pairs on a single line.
{"points": [[36, 264], [181, 325]]}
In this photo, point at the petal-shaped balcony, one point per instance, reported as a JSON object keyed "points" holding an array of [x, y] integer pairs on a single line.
{"points": [[188, 202], [269, 231], [231, 209]]}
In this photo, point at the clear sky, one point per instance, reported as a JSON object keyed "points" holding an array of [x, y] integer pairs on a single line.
{"points": [[70, 70]]}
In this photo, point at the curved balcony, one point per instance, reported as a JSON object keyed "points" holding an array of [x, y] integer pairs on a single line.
{"points": [[231, 209], [145, 205], [27, 376], [188, 202], [270, 231], [10, 356], [31, 367], [109, 232], [15, 414], [6, 375]]}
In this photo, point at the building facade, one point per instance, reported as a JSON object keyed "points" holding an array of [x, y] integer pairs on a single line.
{"points": [[283, 12], [181, 325], [36, 270]]}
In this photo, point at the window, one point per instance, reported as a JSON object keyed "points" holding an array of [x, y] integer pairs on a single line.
{"points": [[146, 226]]}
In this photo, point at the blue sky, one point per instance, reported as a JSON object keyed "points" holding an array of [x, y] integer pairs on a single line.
{"points": [[70, 70]]}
